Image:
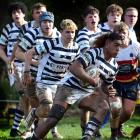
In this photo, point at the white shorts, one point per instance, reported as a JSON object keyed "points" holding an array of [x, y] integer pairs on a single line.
{"points": [[69, 95], [43, 88]]}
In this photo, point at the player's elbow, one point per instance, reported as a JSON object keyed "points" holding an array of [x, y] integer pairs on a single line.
{"points": [[17, 53], [74, 68]]}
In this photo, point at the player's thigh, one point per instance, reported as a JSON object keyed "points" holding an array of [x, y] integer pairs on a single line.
{"points": [[93, 101]]}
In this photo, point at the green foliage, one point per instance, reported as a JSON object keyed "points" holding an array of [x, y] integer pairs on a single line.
{"points": [[9, 93], [6, 92]]}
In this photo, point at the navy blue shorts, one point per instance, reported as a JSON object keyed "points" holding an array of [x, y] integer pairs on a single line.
{"points": [[127, 90]]}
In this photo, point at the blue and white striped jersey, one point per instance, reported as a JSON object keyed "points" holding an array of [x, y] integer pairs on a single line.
{"points": [[25, 28], [105, 27], [30, 39], [94, 56], [30, 26], [8, 38], [86, 37], [55, 60]]}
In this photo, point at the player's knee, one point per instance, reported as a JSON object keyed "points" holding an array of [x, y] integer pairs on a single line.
{"points": [[57, 111], [44, 108], [116, 108]]}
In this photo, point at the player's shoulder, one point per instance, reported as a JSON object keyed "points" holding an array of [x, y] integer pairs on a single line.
{"points": [[84, 29], [104, 27], [9, 26]]}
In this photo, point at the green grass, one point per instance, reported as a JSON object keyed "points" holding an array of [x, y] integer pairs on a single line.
{"points": [[69, 127]]}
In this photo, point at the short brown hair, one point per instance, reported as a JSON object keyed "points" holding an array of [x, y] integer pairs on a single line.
{"points": [[120, 27], [130, 9], [38, 6], [90, 10], [114, 8]]}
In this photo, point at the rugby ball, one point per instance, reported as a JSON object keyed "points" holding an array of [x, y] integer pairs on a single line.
{"points": [[93, 71]]}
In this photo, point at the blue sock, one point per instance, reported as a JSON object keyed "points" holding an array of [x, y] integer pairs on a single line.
{"points": [[106, 118]]}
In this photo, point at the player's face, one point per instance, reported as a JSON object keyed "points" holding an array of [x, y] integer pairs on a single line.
{"points": [[37, 12], [113, 47], [130, 18], [68, 35], [18, 16], [47, 27], [114, 18], [92, 20]]}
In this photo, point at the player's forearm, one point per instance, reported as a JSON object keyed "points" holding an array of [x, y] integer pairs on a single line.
{"points": [[14, 51], [27, 63], [4, 56], [28, 59], [19, 54], [77, 70]]}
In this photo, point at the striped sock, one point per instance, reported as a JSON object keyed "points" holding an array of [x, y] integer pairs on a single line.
{"points": [[34, 137], [54, 130], [17, 119], [91, 128]]}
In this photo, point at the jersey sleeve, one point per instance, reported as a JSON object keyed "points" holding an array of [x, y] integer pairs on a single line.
{"points": [[87, 58], [44, 47], [4, 35], [27, 41], [83, 40]]}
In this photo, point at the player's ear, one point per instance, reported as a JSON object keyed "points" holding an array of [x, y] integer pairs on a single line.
{"points": [[107, 42], [99, 19]]}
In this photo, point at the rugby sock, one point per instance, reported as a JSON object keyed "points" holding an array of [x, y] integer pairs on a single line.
{"points": [[17, 119], [34, 137], [114, 131], [54, 130], [83, 129], [106, 119], [55, 133], [91, 128]]}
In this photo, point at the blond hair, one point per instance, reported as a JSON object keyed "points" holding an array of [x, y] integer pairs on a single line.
{"points": [[68, 24]]}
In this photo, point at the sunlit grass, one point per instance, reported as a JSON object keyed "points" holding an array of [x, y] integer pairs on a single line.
{"points": [[69, 127]]}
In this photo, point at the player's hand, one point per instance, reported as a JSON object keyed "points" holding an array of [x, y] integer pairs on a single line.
{"points": [[111, 91], [108, 89], [27, 79], [96, 81], [10, 67]]}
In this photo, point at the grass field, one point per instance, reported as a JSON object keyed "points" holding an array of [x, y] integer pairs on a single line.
{"points": [[69, 127]]}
